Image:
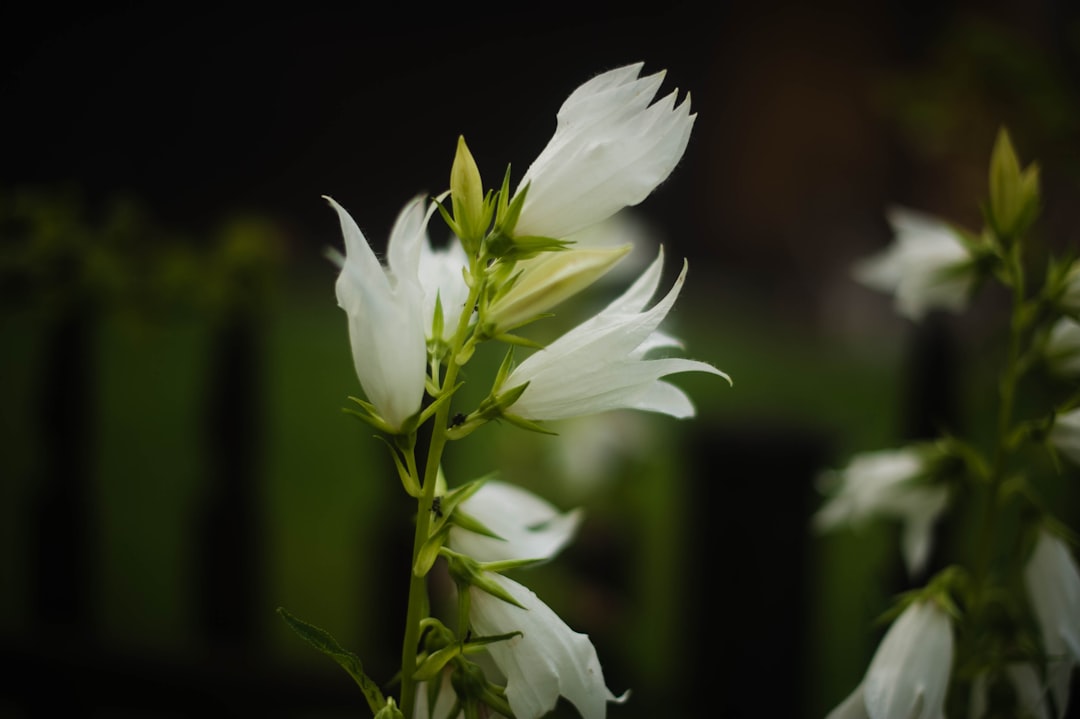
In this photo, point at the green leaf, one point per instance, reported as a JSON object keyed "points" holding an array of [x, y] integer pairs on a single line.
{"points": [[325, 643]]}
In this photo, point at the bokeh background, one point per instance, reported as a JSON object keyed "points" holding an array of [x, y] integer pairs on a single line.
{"points": [[174, 464]]}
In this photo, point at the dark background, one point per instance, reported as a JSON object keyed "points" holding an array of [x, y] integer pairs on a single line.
{"points": [[176, 466]]}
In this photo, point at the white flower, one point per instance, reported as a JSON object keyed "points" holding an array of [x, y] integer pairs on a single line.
{"points": [[600, 365], [1065, 434], [909, 674], [528, 526], [1052, 579], [546, 661], [1030, 694], [440, 274], [1063, 347], [386, 314], [886, 483], [610, 150], [928, 267]]}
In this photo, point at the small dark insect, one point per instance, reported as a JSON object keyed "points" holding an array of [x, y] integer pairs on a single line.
{"points": [[457, 420], [436, 507]]}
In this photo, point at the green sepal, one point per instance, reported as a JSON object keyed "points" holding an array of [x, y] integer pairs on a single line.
{"points": [[472, 524], [505, 565], [467, 572], [429, 551], [325, 643], [369, 415], [449, 219], [528, 424], [389, 711], [451, 500], [475, 644], [436, 661], [412, 487], [432, 408], [519, 341]]}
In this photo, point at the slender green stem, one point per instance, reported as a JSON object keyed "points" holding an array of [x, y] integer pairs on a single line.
{"points": [[418, 600], [1007, 392]]}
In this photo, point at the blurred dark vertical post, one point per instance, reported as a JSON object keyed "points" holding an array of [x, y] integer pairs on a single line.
{"points": [[229, 549], [62, 550]]}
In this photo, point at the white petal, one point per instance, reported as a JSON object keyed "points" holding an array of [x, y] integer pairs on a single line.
{"points": [[549, 659], [530, 527], [909, 674]]}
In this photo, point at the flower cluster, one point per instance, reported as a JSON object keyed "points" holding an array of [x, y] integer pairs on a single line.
{"points": [[1010, 651], [416, 321]]}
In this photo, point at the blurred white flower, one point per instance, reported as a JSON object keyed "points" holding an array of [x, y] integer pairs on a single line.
{"points": [[1030, 693], [1063, 347], [1065, 434], [529, 527], [600, 365], [386, 313], [927, 267], [611, 148], [444, 702], [908, 677], [440, 274], [886, 484], [546, 661], [1052, 579]]}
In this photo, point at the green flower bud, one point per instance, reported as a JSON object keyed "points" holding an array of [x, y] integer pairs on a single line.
{"points": [[1014, 193], [467, 198]]}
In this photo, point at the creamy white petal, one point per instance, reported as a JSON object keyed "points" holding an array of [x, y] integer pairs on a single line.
{"points": [[1065, 434], [441, 277], [1063, 347], [547, 661], [611, 148], [599, 366], [529, 527], [385, 313], [908, 677]]}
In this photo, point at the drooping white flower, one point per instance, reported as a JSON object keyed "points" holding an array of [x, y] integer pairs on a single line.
{"points": [[927, 267], [886, 484], [1063, 347], [386, 313], [546, 661], [441, 278], [611, 148], [908, 677], [1065, 434], [1030, 693], [600, 365], [529, 527], [1052, 579]]}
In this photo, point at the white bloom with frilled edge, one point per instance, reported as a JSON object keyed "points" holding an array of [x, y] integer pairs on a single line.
{"points": [[600, 365], [1052, 579], [611, 148], [386, 313], [886, 484], [1065, 434], [927, 267], [547, 660], [528, 527], [908, 677]]}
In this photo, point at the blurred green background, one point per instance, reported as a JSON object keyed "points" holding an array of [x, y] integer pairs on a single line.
{"points": [[174, 464]]}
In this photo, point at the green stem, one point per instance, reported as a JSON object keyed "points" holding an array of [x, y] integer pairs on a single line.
{"points": [[418, 599], [1007, 391]]}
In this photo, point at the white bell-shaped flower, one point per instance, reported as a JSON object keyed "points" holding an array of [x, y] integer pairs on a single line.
{"points": [[547, 660], [611, 148], [908, 677], [1052, 579], [600, 365], [385, 307], [886, 484], [927, 267]]}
